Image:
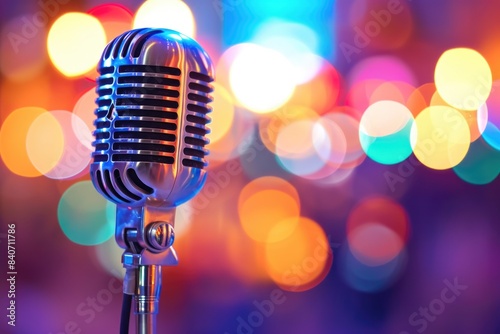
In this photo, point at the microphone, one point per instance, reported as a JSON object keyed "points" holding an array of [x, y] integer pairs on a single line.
{"points": [[150, 137]]}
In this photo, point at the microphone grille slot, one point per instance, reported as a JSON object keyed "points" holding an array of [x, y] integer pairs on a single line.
{"points": [[144, 115], [196, 119]]}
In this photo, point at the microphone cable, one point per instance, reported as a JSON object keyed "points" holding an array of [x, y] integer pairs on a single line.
{"points": [[125, 316]]}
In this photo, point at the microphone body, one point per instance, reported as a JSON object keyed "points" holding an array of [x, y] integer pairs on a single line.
{"points": [[150, 137]]}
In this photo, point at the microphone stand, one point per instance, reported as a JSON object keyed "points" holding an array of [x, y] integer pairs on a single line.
{"points": [[147, 234]]}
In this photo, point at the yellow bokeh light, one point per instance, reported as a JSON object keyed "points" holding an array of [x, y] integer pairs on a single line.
{"points": [[45, 142], [463, 78], [302, 260], [261, 79], [223, 113], [477, 119], [75, 43], [440, 137], [170, 14], [13, 141]]}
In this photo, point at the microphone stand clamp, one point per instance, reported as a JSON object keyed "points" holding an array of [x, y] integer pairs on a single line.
{"points": [[147, 235]]}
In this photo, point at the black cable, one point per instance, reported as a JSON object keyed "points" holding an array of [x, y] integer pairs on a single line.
{"points": [[125, 317]]}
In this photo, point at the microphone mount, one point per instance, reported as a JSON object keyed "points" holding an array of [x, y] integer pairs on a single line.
{"points": [[147, 235]]}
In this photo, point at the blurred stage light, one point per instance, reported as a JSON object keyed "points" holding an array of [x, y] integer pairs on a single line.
{"points": [[83, 215], [295, 148], [321, 93], [492, 128], [384, 132], [374, 244], [75, 43], [385, 68], [420, 98], [354, 154], [170, 14], [115, 19], [84, 111], [13, 138], [440, 137], [222, 114], [481, 165], [260, 78], [476, 119], [76, 154], [258, 218], [302, 260], [463, 78], [297, 42], [371, 279], [45, 142]]}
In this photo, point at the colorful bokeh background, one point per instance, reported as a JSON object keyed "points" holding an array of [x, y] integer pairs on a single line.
{"points": [[352, 187]]}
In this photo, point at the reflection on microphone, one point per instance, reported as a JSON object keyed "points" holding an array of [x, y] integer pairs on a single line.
{"points": [[150, 137]]}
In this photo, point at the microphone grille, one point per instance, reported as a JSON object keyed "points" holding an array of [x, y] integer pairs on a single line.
{"points": [[198, 99], [140, 103]]}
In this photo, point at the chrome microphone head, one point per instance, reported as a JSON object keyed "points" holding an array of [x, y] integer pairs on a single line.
{"points": [[150, 136]]}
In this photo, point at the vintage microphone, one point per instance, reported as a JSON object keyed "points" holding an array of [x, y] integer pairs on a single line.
{"points": [[150, 137]]}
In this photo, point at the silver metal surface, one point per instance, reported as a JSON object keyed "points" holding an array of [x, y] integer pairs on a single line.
{"points": [[161, 236], [147, 294], [154, 94]]}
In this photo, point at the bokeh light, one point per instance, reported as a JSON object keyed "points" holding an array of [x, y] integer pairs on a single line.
{"points": [[440, 137], [297, 42], [258, 219], [270, 126], [222, 114], [302, 260], [170, 14], [374, 244], [380, 210], [386, 68], [109, 255], [115, 19], [354, 154], [303, 147], [82, 215], [481, 165], [463, 78], [384, 132], [45, 142], [75, 43], [260, 78], [76, 153], [321, 93], [492, 128], [368, 278], [84, 111], [13, 136], [476, 119]]}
